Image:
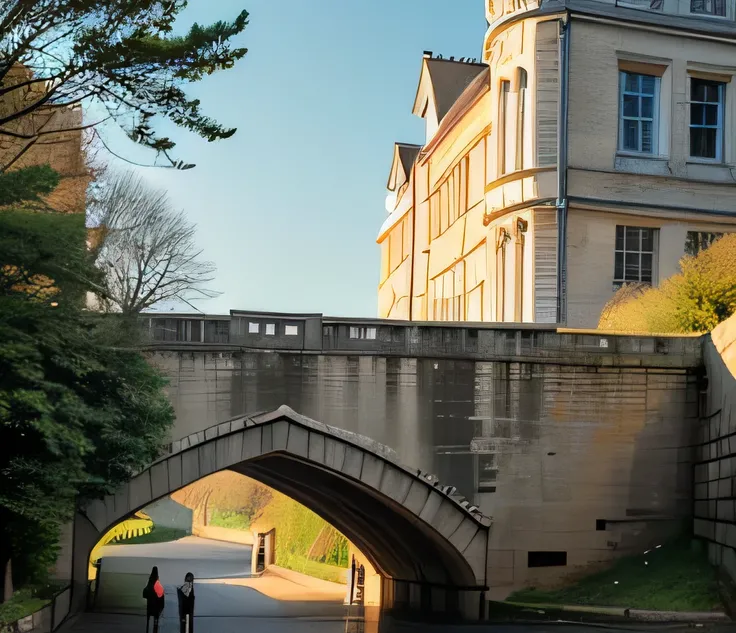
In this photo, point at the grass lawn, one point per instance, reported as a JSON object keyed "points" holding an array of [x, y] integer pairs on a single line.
{"points": [[230, 520], [674, 577], [157, 535], [24, 602], [314, 569]]}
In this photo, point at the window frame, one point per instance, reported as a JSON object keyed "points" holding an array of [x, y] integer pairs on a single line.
{"points": [[655, 119], [713, 236], [710, 14], [270, 329], [362, 333], [720, 129], [503, 108], [291, 330], [618, 283], [521, 118], [254, 327]]}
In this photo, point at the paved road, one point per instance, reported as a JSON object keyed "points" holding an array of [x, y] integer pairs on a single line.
{"points": [[205, 559], [224, 588]]}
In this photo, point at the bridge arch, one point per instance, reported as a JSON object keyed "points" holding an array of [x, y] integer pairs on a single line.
{"points": [[423, 538]]}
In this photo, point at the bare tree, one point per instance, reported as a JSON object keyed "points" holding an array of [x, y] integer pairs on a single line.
{"points": [[146, 248]]}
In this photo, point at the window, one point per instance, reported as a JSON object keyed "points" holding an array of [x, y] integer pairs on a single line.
{"points": [[254, 328], [697, 241], [520, 119], [487, 472], [638, 107], [327, 330], [217, 332], [385, 268], [706, 118], [503, 108], [367, 333], [503, 239], [634, 256], [291, 330], [270, 329], [708, 7], [546, 559], [396, 244], [521, 228]]}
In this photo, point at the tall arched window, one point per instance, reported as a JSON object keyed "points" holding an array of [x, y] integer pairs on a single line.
{"points": [[503, 128], [520, 119]]}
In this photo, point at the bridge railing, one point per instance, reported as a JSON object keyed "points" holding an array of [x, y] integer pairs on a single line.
{"points": [[524, 342]]}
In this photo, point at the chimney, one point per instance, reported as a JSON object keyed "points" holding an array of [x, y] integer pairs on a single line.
{"points": [[428, 54]]}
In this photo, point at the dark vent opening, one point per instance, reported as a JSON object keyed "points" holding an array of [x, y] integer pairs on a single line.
{"points": [[546, 559]]}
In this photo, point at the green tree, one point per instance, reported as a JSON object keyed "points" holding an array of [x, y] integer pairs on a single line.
{"points": [[121, 55], [695, 300], [27, 185], [80, 409]]}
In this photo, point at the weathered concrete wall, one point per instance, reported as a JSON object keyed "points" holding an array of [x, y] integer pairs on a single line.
{"points": [[715, 470], [590, 458]]}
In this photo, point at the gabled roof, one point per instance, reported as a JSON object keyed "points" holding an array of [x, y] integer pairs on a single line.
{"points": [[404, 157], [477, 88], [444, 80]]}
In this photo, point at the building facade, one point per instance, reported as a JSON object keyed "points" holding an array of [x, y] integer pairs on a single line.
{"points": [[50, 135], [602, 130]]}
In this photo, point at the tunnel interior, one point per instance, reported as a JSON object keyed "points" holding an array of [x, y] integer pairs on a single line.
{"points": [[397, 543]]}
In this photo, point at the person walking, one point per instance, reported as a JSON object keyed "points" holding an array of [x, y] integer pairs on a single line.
{"points": [[154, 595], [185, 593]]}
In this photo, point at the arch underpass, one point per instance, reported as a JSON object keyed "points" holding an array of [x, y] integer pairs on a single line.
{"points": [[428, 543]]}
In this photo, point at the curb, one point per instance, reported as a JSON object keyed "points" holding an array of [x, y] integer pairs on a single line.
{"points": [[622, 613]]}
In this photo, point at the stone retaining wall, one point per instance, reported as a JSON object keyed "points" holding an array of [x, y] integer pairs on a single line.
{"points": [[715, 468]]}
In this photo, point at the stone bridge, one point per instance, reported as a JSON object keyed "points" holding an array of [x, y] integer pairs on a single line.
{"points": [[578, 444], [423, 538]]}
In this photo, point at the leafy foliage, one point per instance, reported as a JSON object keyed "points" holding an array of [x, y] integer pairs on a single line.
{"points": [[695, 300], [27, 184], [120, 54], [80, 409]]}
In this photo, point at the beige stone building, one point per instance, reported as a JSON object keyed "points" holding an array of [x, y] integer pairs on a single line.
{"points": [[47, 135], [602, 130]]}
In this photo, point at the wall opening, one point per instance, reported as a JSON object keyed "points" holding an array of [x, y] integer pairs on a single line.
{"points": [[546, 559]]}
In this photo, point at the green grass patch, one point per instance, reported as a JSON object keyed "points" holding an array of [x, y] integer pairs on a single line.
{"points": [[157, 535], [674, 577], [231, 520], [313, 568], [26, 601]]}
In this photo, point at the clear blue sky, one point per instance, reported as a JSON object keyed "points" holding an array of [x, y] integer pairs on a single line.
{"points": [[289, 208]]}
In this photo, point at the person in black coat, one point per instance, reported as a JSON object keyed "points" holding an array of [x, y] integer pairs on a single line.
{"points": [[154, 595], [185, 593]]}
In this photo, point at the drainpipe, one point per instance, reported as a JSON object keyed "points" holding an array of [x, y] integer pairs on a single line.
{"points": [[562, 201]]}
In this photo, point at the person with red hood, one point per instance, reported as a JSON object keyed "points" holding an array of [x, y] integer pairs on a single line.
{"points": [[154, 595]]}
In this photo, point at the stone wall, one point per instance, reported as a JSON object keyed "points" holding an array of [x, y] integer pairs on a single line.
{"points": [[60, 149], [715, 470], [585, 461]]}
